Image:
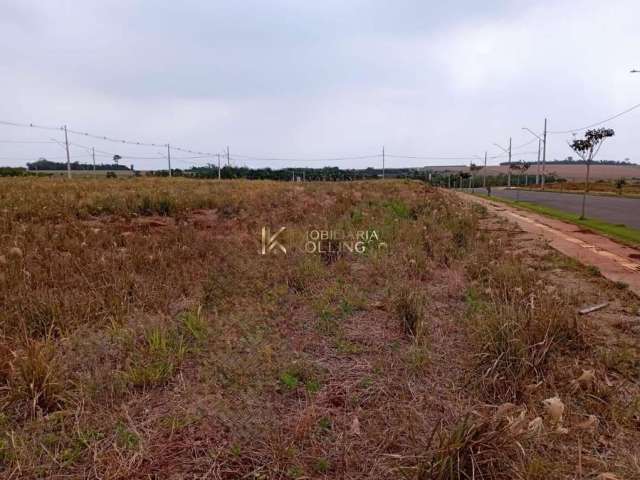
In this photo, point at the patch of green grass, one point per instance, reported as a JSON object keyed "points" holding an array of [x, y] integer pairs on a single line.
{"points": [[618, 232], [298, 374], [322, 465], [324, 424], [161, 350], [194, 324], [399, 209], [126, 438], [295, 472], [594, 271], [312, 385], [347, 347], [289, 380]]}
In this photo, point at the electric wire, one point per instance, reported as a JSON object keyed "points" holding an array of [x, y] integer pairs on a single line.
{"points": [[239, 157], [573, 130]]}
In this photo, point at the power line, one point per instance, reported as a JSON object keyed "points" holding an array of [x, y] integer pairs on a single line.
{"points": [[555, 132], [31, 158], [111, 154], [30, 125], [116, 140], [239, 157], [202, 155], [25, 141], [526, 144], [417, 157]]}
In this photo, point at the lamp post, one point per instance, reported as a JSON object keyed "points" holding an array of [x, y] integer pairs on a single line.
{"points": [[508, 152], [540, 140]]}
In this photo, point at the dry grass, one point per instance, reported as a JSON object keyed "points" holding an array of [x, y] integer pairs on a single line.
{"points": [[518, 325], [477, 447], [144, 336]]}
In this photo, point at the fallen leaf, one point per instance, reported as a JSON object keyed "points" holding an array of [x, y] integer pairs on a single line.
{"points": [[554, 408]]}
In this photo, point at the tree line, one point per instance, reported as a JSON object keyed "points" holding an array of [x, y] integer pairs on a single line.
{"points": [[44, 165]]}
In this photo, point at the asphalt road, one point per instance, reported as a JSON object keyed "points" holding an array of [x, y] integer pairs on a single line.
{"points": [[615, 210]]}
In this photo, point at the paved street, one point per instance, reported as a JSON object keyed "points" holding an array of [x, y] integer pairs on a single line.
{"points": [[616, 210]]}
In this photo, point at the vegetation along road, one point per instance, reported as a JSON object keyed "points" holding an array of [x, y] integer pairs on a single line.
{"points": [[615, 210]]}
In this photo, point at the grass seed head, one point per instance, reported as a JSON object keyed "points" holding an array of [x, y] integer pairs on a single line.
{"points": [[554, 408]]}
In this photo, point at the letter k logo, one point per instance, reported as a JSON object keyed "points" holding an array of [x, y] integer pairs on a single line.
{"points": [[269, 241]]}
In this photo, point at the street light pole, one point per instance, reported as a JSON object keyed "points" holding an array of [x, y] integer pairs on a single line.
{"points": [[484, 172], [508, 152], [538, 163], [509, 162], [544, 152], [542, 139]]}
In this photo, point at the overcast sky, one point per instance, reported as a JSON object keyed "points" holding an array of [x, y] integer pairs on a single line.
{"points": [[316, 79]]}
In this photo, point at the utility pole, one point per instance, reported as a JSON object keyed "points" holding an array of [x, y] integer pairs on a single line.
{"points": [[66, 144], [509, 181], [544, 151], [228, 158], [383, 161], [93, 155], [484, 172], [169, 158], [538, 163], [219, 177]]}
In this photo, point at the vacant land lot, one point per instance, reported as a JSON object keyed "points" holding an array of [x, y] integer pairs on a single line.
{"points": [[143, 335]]}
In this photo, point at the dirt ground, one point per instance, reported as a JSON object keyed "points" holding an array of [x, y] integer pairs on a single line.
{"points": [[617, 262]]}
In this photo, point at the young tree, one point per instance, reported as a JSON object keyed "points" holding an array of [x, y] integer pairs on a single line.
{"points": [[524, 166], [463, 176], [587, 148], [473, 168], [515, 166]]}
